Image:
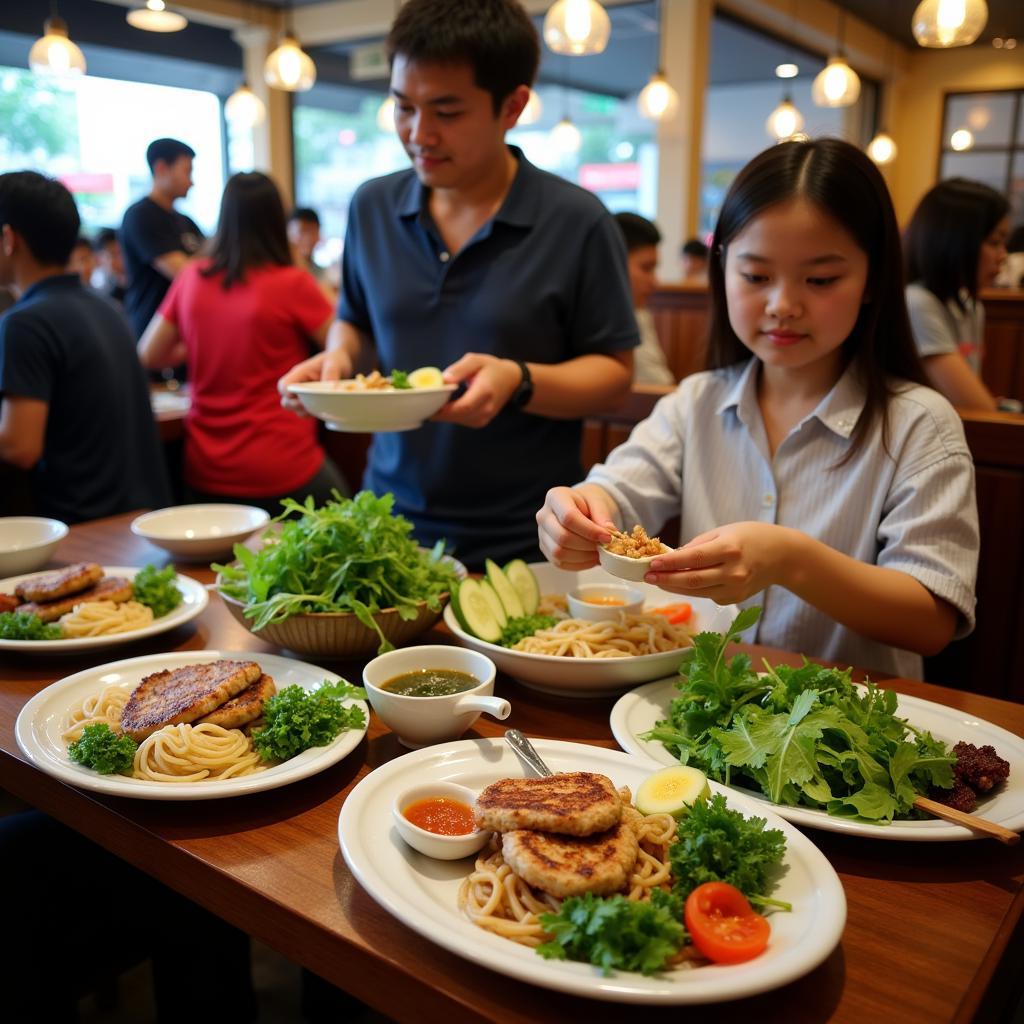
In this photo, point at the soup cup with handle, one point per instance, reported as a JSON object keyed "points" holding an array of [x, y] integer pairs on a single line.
{"points": [[420, 721]]}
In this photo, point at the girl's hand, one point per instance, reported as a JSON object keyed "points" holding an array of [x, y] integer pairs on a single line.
{"points": [[727, 564], [573, 522]]}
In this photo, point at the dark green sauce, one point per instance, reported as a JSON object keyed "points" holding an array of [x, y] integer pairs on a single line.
{"points": [[430, 682]]}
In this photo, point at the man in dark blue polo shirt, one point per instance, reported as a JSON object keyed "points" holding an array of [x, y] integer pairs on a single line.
{"points": [[74, 404], [475, 260]]}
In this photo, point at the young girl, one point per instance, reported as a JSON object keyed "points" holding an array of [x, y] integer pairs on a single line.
{"points": [[815, 476], [955, 245]]}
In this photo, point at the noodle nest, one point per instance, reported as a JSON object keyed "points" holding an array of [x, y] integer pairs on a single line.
{"points": [[626, 636], [105, 618]]}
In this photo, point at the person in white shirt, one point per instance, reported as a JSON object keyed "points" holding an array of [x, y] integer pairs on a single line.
{"points": [[814, 473]]}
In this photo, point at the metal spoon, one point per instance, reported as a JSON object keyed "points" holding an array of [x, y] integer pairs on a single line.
{"points": [[525, 751]]}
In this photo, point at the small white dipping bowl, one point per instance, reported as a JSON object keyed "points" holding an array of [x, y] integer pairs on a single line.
{"points": [[429, 843], [200, 532], [27, 543], [632, 569], [367, 412], [632, 601], [420, 721]]}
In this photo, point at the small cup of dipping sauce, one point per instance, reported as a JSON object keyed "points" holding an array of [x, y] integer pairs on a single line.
{"points": [[432, 694], [596, 601], [437, 819]]}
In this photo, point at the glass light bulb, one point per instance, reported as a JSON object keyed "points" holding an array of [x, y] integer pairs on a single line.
{"points": [[961, 139], [289, 67], [784, 121], [837, 85], [658, 100], [386, 115], [786, 71], [945, 23], [54, 54], [576, 27], [532, 111], [244, 108], [882, 149], [565, 136]]}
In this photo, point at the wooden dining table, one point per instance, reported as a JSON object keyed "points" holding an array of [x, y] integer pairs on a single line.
{"points": [[933, 931]]}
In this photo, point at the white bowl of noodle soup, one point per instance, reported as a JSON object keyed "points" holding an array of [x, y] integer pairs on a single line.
{"points": [[593, 677]]}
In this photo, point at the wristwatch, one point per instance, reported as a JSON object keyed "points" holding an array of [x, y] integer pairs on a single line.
{"points": [[524, 392]]}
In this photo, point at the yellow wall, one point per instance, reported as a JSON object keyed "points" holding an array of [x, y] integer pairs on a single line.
{"points": [[916, 123]]}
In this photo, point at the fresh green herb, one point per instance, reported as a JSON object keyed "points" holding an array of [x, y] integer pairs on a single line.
{"points": [[352, 555], [400, 380], [523, 626], [616, 933], [27, 626], [298, 719], [157, 588], [103, 750], [716, 844], [802, 735]]}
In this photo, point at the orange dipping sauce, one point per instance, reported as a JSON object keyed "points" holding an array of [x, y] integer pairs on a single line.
{"points": [[608, 600], [441, 815]]}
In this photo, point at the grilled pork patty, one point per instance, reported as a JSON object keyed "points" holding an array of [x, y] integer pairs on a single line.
{"points": [[60, 583], [245, 708], [575, 804], [110, 588]]}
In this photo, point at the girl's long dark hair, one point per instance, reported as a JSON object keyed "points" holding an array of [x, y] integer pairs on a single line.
{"points": [[251, 229], [844, 183], [944, 237]]}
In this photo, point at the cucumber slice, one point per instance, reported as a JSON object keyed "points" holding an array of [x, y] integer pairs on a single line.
{"points": [[505, 591], [497, 608], [672, 791], [473, 610], [520, 575]]}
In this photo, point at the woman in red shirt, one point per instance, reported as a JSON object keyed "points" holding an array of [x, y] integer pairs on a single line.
{"points": [[240, 317]]}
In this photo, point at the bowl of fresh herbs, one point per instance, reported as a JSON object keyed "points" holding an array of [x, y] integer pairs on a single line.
{"points": [[340, 581]]}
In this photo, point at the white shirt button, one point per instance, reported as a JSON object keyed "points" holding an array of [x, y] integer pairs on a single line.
{"points": [[445, 257], [768, 500]]}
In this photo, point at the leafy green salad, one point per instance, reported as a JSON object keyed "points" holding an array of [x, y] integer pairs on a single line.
{"points": [[801, 736], [352, 555]]}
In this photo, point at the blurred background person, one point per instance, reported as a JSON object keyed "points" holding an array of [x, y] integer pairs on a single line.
{"points": [[642, 237], [110, 261], [239, 317], [304, 237], [1012, 274], [74, 403], [954, 245], [82, 261], [694, 255]]}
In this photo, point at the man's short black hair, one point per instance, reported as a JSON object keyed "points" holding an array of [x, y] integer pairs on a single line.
{"points": [[637, 232], [43, 212], [495, 37], [695, 247], [167, 150], [103, 238], [305, 214]]}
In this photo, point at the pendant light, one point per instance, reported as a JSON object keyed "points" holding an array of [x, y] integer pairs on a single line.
{"points": [[789, 68], [54, 54], [386, 115], [154, 17], [532, 111], [243, 108], [289, 67], [658, 101], [837, 85], [882, 148], [577, 28], [785, 120], [566, 137], [961, 140], [945, 23]]}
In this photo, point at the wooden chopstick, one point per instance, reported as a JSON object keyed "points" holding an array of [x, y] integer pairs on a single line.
{"points": [[971, 821]]}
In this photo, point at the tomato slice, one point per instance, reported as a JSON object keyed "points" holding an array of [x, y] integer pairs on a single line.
{"points": [[722, 924], [675, 613]]}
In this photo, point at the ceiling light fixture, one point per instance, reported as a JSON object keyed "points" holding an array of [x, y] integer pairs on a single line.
{"points": [[786, 71], [658, 101], [386, 115], [961, 140], [155, 17], [289, 67], [243, 108], [532, 111], [566, 137], [837, 85], [946, 23], [785, 120], [577, 28], [54, 54], [882, 149], [789, 68]]}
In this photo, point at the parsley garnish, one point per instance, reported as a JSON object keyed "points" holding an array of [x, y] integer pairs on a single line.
{"points": [[298, 719], [156, 588], [103, 750]]}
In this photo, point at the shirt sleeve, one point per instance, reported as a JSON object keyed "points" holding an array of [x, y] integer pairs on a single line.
{"points": [[929, 527], [310, 306], [930, 324], [153, 234], [28, 362], [644, 475], [649, 364], [170, 307]]}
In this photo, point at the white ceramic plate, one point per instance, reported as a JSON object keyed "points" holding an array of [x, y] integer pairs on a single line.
{"points": [[194, 599], [370, 411], [421, 892], [638, 711], [38, 728], [591, 677]]}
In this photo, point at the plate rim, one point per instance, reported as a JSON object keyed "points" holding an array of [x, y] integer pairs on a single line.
{"points": [[929, 830], [577, 980], [57, 765], [195, 598]]}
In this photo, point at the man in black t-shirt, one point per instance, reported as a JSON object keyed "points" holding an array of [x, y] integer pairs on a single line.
{"points": [[157, 240], [74, 403]]}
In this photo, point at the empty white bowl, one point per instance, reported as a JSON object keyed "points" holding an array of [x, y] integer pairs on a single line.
{"points": [[27, 543], [368, 412], [429, 843], [633, 569], [420, 721], [585, 603], [200, 532]]}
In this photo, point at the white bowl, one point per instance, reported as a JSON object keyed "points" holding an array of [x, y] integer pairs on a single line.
{"points": [[631, 598], [367, 412], [632, 569], [420, 721], [200, 532], [429, 843], [27, 543]]}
